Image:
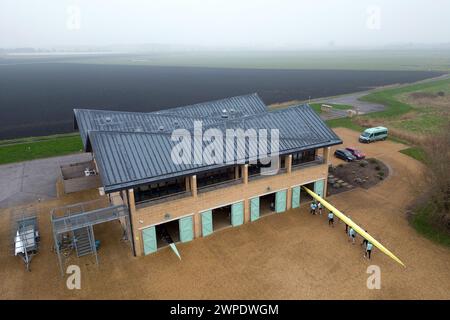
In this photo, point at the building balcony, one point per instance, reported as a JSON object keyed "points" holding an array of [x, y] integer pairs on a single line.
{"points": [[219, 185], [317, 161], [256, 176], [310, 167], [163, 198]]}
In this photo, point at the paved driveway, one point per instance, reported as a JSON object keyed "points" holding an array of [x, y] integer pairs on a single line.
{"points": [[353, 100], [30, 181]]}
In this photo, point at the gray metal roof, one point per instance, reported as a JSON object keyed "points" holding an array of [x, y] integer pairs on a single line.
{"points": [[238, 106], [127, 159], [167, 120]]}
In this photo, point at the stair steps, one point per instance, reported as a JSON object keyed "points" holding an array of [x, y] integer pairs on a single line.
{"points": [[82, 242]]}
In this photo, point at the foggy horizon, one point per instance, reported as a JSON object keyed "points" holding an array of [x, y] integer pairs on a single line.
{"points": [[233, 25]]}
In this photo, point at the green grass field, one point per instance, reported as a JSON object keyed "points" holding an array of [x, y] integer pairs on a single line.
{"points": [[415, 152], [424, 120], [39, 147], [391, 97], [421, 222], [344, 123]]}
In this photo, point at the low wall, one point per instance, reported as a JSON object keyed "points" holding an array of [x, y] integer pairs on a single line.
{"points": [[80, 184], [76, 170]]}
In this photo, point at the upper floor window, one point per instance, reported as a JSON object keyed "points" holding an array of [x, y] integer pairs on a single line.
{"points": [[255, 169], [303, 156], [216, 176], [159, 189]]}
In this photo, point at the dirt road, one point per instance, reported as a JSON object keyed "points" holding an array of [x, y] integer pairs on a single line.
{"points": [[283, 256]]}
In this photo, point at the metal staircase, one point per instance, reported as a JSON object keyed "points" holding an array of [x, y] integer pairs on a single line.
{"points": [[84, 244]]}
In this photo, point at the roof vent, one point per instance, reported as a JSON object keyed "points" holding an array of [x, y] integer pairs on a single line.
{"points": [[176, 124], [161, 128], [224, 113], [138, 129], [108, 119]]}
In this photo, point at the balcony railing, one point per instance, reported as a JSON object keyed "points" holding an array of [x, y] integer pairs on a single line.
{"points": [[256, 176], [318, 160], [218, 185], [171, 196]]}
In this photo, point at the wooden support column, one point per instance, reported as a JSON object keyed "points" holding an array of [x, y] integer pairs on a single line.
{"points": [[327, 161], [95, 163], [326, 155], [197, 215], [134, 223], [236, 172], [246, 210], [194, 186], [288, 162], [187, 181], [197, 225], [245, 173], [131, 201], [288, 198], [325, 188]]}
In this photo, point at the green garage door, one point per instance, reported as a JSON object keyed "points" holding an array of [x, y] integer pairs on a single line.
{"points": [[149, 239], [280, 201], [207, 223], [237, 213], [318, 187], [186, 229], [254, 209], [295, 197]]}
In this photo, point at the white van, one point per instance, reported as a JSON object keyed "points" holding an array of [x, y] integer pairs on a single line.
{"points": [[373, 134]]}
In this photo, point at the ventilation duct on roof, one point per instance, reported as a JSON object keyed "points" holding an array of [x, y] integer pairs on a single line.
{"points": [[161, 128]]}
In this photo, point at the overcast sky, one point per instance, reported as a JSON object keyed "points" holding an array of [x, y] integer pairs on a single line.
{"points": [[225, 23]]}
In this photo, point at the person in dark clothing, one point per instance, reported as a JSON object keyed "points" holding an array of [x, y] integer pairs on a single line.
{"points": [[365, 241], [313, 207], [368, 250], [346, 226], [331, 219]]}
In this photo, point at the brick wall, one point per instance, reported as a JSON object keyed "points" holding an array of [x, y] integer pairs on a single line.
{"points": [[199, 202]]}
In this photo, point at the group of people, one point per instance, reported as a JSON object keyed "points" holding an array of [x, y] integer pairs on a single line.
{"points": [[316, 208]]}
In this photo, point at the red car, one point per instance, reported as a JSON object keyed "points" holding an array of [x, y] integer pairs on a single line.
{"points": [[356, 153]]}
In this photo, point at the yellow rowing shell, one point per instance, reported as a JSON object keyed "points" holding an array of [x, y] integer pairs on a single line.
{"points": [[355, 227]]}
